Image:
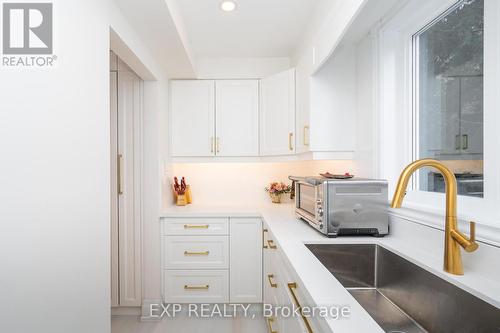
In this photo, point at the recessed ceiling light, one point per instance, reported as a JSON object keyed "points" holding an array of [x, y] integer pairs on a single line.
{"points": [[228, 6]]}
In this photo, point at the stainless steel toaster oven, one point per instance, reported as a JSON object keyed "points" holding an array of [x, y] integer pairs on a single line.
{"points": [[338, 207]]}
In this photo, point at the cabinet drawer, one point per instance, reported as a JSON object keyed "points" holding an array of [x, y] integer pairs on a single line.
{"points": [[196, 226], [196, 252], [196, 286]]}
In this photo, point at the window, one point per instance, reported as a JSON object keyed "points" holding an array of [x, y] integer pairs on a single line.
{"points": [[438, 80], [448, 97]]}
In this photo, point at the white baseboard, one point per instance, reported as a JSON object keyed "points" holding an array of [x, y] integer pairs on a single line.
{"points": [[146, 305], [126, 311]]}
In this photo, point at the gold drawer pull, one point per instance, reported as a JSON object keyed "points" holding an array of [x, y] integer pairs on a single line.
{"points": [[196, 226], [270, 242], [203, 287], [290, 137], [264, 238], [270, 325], [292, 286], [271, 283], [205, 253]]}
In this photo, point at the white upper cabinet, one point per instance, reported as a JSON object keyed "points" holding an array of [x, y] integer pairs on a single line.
{"points": [[193, 114], [277, 114], [233, 118], [237, 117], [215, 118], [303, 113]]}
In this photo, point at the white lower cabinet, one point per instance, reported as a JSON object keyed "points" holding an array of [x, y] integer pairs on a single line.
{"points": [[283, 290], [187, 226], [202, 252], [212, 260], [196, 286], [246, 260]]}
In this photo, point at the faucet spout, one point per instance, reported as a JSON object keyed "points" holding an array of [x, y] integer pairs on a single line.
{"points": [[454, 239]]}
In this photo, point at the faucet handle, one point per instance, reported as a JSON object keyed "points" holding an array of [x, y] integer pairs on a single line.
{"points": [[472, 238], [468, 243], [472, 231]]}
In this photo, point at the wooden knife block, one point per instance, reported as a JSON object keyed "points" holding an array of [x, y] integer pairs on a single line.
{"points": [[183, 199]]}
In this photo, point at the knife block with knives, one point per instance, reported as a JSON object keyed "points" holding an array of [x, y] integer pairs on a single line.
{"points": [[182, 192]]}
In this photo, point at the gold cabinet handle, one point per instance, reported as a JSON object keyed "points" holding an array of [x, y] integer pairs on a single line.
{"points": [[196, 226], [457, 142], [203, 287], [270, 325], [306, 135], [290, 137], [204, 253], [217, 145], [465, 142], [271, 244], [264, 246], [292, 286], [119, 173], [270, 279]]}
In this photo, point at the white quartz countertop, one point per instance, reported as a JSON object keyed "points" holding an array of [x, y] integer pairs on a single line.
{"points": [[291, 235]]}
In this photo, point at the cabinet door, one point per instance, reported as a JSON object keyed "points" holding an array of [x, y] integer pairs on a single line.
{"points": [[237, 117], [129, 203], [449, 126], [303, 105], [277, 114], [246, 260], [471, 116], [193, 111]]}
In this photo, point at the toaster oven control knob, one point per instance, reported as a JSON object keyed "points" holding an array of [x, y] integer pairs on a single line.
{"points": [[320, 211], [321, 225]]}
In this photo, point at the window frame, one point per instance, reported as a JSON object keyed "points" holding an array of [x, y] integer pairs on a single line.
{"points": [[396, 129]]}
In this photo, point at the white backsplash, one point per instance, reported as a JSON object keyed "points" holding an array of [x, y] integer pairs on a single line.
{"points": [[481, 264], [223, 184]]}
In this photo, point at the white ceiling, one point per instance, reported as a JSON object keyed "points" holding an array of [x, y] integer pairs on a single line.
{"points": [[153, 22], [257, 28]]}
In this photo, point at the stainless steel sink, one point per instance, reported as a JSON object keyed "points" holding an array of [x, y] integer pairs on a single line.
{"points": [[403, 297]]}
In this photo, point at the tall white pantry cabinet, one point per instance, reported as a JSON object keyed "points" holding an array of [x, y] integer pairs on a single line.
{"points": [[126, 95]]}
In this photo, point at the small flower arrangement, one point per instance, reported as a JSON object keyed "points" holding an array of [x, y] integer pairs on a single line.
{"points": [[276, 189]]}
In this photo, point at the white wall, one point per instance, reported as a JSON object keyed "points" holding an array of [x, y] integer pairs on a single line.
{"points": [[333, 101], [155, 154], [54, 215], [365, 107], [240, 68], [224, 184], [481, 267]]}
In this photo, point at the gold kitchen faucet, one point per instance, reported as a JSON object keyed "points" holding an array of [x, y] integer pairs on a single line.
{"points": [[453, 238]]}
